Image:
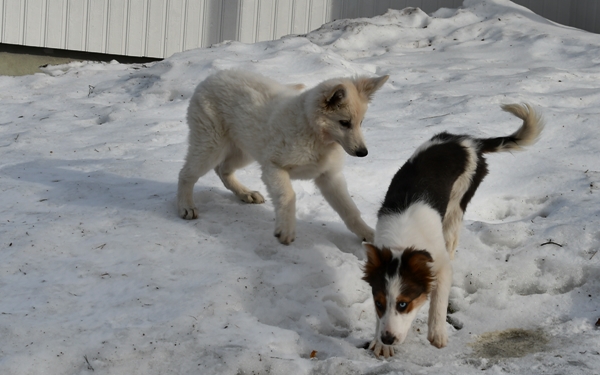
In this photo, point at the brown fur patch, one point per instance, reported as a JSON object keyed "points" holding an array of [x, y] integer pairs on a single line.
{"points": [[414, 303], [416, 273], [375, 260], [382, 299]]}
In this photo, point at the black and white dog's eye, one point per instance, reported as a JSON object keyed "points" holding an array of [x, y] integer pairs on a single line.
{"points": [[378, 305], [345, 123], [401, 306]]}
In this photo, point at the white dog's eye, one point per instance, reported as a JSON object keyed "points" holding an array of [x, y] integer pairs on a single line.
{"points": [[401, 306], [345, 123], [378, 305]]}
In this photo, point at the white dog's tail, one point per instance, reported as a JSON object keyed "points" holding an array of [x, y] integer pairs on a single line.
{"points": [[526, 135]]}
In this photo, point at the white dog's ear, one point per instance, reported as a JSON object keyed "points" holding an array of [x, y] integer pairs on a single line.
{"points": [[368, 86], [334, 97]]}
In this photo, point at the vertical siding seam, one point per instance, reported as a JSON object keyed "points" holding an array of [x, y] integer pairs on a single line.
{"points": [[147, 6], [84, 31], [65, 25], [184, 26], [274, 17], [87, 30], [221, 20], [125, 45], [201, 32], [105, 26], [292, 17], [257, 10], [126, 26], [46, 24], [3, 18], [164, 35], [3, 25], [23, 22]]}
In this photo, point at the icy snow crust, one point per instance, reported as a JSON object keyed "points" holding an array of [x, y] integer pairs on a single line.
{"points": [[98, 272]]}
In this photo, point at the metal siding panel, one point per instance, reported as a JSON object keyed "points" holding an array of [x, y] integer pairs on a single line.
{"points": [[562, 9], [248, 14], [55, 23], [351, 8], [13, 22], [230, 20], [300, 16], [212, 22], [135, 28], [316, 15], [283, 18], [173, 27], [155, 28], [336, 9], [116, 21], [96, 25], [34, 22], [266, 20], [76, 25], [382, 6], [193, 24]]}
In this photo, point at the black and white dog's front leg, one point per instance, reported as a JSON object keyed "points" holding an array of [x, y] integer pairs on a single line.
{"points": [[335, 191], [437, 333], [378, 347]]}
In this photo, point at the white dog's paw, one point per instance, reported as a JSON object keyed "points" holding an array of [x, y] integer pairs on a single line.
{"points": [[380, 349], [286, 237], [438, 337], [369, 235], [252, 197], [188, 213]]}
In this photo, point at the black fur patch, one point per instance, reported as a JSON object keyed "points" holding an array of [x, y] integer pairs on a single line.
{"points": [[428, 177]]}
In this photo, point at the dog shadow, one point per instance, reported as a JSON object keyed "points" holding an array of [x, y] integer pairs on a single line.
{"points": [[293, 288]]}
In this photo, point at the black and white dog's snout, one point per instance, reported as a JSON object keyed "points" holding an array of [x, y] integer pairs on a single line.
{"points": [[387, 338]]}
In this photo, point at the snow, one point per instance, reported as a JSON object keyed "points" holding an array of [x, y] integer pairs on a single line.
{"points": [[99, 275]]}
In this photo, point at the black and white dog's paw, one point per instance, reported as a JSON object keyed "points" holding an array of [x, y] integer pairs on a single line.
{"points": [[380, 349]]}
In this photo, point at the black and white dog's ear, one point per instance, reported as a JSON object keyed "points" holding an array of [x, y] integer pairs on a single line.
{"points": [[373, 255]]}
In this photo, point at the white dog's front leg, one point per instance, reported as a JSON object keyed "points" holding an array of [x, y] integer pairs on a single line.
{"points": [[437, 334], [335, 191], [284, 199]]}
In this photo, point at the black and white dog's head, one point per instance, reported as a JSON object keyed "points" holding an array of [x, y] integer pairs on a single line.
{"points": [[401, 282]]}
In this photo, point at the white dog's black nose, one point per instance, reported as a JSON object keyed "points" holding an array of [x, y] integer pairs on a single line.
{"points": [[361, 152], [387, 338]]}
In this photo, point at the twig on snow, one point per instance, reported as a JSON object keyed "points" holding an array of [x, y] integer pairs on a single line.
{"points": [[88, 363], [550, 242]]}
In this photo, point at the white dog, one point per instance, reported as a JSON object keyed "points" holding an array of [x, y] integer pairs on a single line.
{"points": [[236, 117]]}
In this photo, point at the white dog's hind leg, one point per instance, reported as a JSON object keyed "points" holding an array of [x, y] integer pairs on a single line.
{"points": [[236, 159], [284, 199], [334, 190], [197, 163]]}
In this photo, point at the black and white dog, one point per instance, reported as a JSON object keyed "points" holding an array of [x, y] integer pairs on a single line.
{"points": [[419, 224]]}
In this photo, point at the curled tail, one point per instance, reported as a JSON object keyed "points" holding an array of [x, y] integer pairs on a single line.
{"points": [[526, 135]]}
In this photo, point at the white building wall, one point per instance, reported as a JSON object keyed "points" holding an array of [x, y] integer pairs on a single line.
{"points": [[159, 28]]}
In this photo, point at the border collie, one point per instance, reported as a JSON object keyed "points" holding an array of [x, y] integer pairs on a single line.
{"points": [[419, 224]]}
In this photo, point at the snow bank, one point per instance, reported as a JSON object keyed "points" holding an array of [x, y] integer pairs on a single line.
{"points": [[98, 274]]}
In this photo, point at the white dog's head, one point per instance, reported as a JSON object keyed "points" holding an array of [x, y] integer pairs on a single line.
{"points": [[400, 283], [341, 104]]}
